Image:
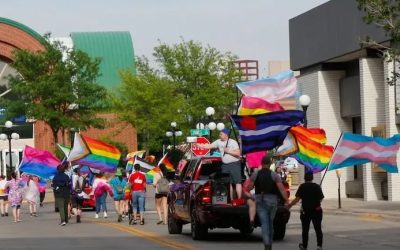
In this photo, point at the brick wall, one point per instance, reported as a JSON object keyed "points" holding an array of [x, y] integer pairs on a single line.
{"points": [[114, 129]]}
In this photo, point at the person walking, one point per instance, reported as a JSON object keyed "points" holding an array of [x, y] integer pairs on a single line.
{"points": [[311, 196], [77, 193], [61, 188], [118, 184], [268, 185], [230, 155], [138, 184], [159, 182], [3, 196], [32, 195], [42, 190], [101, 188], [15, 193]]}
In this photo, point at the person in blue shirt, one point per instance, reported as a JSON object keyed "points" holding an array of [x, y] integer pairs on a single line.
{"points": [[118, 184]]}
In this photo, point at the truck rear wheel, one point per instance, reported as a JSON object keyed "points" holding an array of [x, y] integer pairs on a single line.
{"points": [[174, 227], [199, 232]]}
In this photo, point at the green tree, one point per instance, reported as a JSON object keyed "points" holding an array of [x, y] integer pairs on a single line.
{"points": [[149, 103], [384, 14], [204, 75], [188, 78], [57, 86]]}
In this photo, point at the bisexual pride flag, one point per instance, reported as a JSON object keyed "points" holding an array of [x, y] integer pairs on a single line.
{"points": [[37, 162]]}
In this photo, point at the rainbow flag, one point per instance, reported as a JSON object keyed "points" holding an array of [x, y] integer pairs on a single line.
{"points": [[313, 154], [130, 157], [150, 175], [37, 162], [167, 163], [253, 106], [273, 88], [103, 156]]}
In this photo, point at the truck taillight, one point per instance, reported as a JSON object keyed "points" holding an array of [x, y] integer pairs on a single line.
{"points": [[206, 194]]}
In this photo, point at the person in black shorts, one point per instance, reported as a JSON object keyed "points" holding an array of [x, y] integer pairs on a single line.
{"points": [[311, 196]]}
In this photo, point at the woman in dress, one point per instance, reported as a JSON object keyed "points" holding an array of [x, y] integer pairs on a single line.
{"points": [[32, 194], [15, 196]]}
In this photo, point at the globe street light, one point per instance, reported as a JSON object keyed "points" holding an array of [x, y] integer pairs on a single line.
{"points": [[210, 111], [305, 102], [174, 133], [9, 134]]}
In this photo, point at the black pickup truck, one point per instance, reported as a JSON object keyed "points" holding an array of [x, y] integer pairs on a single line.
{"points": [[200, 196]]}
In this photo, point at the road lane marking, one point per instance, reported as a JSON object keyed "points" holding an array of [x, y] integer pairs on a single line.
{"points": [[172, 244], [371, 217]]}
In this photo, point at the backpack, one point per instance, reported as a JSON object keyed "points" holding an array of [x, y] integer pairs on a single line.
{"points": [[163, 186], [119, 188]]}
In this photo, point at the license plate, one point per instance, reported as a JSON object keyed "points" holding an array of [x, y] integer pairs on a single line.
{"points": [[219, 199]]}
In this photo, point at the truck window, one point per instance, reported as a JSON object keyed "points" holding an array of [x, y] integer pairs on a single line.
{"points": [[189, 171], [207, 168]]}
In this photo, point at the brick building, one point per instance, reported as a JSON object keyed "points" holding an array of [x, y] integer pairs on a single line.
{"points": [[348, 90], [116, 51]]}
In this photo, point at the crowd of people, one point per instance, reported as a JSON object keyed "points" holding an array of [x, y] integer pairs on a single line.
{"points": [[264, 188], [15, 190], [260, 191]]}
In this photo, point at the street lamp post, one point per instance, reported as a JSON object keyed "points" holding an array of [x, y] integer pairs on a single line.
{"points": [[9, 134], [174, 133], [305, 102], [210, 111]]}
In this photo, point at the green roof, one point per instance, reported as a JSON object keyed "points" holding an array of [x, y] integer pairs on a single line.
{"points": [[23, 28], [115, 50]]}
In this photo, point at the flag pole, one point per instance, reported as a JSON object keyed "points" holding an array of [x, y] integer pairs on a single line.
{"points": [[334, 151]]}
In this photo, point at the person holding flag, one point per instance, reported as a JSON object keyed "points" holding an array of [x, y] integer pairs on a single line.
{"points": [[230, 155]]}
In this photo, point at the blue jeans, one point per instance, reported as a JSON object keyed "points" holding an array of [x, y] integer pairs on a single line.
{"points": [[138, 199], [266, 209], [101, 203]]}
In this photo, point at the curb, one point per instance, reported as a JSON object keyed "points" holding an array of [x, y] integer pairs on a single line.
{"points": [[373, 216]]}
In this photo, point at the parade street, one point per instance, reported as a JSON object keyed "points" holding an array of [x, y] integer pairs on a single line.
{"points": [[43, 232]]}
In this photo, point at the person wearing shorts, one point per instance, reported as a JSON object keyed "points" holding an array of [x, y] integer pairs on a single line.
{"points": [[230, 155], [3, 196], [138, 184]]}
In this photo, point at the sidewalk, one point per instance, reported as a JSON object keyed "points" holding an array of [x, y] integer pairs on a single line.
{"points": [[374, 210]]}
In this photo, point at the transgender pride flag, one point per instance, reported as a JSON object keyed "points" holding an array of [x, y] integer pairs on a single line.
{"points": [[354, 149], [271, 89]]}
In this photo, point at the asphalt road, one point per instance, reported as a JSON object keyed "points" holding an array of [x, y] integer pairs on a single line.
{"points": [[43, 232]]}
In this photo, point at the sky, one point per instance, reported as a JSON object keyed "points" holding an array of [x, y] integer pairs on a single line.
{"points": [[250, 29]]}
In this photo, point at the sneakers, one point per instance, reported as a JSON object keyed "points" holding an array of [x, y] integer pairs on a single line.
{"points": [[96, 216], [63, 223], [105, 214], [301, 247], [319, 248], [119, 218], [78, 219]]}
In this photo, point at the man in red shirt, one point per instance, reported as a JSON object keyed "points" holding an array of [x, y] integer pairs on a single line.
{"points": [[138, 186]]}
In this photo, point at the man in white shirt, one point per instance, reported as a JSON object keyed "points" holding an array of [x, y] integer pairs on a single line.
{"points": [[230, 155]]}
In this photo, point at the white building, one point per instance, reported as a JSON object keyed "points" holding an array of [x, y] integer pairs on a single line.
{"points": [[348, 89]]}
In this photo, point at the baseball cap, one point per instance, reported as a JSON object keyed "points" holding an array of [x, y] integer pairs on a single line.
{"points": [[119, 172], [226, 131]]}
